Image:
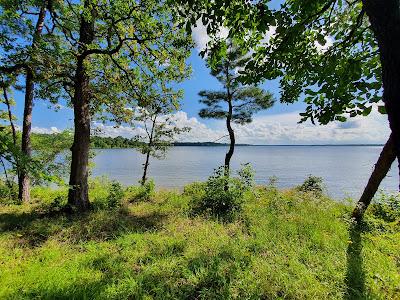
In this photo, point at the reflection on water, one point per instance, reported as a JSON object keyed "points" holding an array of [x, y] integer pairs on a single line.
{"points": [[345, 170]]}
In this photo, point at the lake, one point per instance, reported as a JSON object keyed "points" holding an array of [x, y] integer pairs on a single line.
{"points": [[345, 169]]}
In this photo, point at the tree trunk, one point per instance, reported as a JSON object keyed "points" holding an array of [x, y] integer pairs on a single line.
{"points": [[229, 154], [382, 166], [10, 116], [384, 17], [145, 166], [26, 148], [78, 193], [14, 135], [149, 145]]}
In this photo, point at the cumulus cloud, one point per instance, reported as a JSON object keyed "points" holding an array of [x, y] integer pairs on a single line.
{"points": [[274, 129], [44, 130], [200, 36]]}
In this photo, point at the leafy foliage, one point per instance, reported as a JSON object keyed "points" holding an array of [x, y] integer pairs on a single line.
{"points": [[312, 184], [321, 51], [386, 207], [136, 53], [161, 129], [144, 192], [245, 100], [218, 201], [116, 195]]}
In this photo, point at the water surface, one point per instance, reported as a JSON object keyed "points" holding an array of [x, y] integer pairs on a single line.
{"points": [[345, 169]]}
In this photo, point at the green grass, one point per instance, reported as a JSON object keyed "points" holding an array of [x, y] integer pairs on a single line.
{"points": [[286, 245]]}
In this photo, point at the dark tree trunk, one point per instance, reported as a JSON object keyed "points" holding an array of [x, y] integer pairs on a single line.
{"points": [[382, 166], [145, 166], [78, 182], [384, 17], [229, 154], [26, 148]]}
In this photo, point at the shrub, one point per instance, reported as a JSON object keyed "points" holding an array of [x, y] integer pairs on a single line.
{"points": [[195, 190], [387, 207], [116, 195], [312, 184], [144, 192], [223, 194], [105, 194], [8, 194]]}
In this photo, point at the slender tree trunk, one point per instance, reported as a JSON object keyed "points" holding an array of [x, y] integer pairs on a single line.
{"points": [[145, 166], [78, 193], [149, 145], [10, 117], [14, 135], [229, 154], [382, 166], [384, 17], [23, 180]]}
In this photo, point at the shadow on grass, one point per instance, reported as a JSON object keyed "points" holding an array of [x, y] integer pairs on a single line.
{"points": [[34, 228], [355, 276]]}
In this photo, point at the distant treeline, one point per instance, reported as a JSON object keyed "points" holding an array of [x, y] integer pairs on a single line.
{"points": [[121, 142], [106, 142]]}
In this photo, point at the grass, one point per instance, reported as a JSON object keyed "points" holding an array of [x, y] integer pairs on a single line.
{"points": [[286, 245]]}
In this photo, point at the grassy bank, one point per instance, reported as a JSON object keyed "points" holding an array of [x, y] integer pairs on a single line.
{"points": [[285, 245]]}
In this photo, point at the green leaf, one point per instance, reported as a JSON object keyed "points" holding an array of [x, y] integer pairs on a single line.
{"points": [[367, 111], [382, 110]]}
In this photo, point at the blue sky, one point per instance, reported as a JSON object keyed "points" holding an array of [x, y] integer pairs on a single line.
{"points": [[277, 125]]}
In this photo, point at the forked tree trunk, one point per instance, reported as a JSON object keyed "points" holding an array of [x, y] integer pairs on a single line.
{"points": [[384, 17], [382, 166], [78, 193], [26, 148]]}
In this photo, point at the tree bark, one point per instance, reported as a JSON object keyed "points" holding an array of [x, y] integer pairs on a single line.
{"points": [[229, 154], [145, 166], [382, 166], [384, 17], [26, 148], [78, 192]]}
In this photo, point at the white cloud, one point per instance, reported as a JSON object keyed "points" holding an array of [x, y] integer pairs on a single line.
{"points": [[326, 46], [44, 130], [200, 36], [276, 129]]}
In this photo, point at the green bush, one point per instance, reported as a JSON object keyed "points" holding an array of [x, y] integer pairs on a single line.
{"points": [[223, 194], [387, 207], [141, 193], [8, 195], [116, 195], [195, 190], [312, 184], [105, 194]]}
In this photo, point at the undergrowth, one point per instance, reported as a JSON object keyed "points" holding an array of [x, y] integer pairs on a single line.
{"points": [[286, 245]]}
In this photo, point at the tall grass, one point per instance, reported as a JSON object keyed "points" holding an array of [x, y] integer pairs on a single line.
{"points": [[285, 245]]}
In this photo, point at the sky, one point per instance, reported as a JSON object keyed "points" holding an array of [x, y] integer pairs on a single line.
{"points": [[275, 126]]}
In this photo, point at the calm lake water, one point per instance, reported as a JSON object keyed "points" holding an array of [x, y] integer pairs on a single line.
{"points": [[345, 169]]}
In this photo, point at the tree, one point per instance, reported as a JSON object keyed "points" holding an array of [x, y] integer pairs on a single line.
{"points": [[119, 51], [16, 21], [338, 80], [160, 131], [237, 102]]}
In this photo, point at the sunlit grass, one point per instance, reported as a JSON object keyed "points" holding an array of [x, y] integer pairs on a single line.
{"points": [[286, 244]]}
